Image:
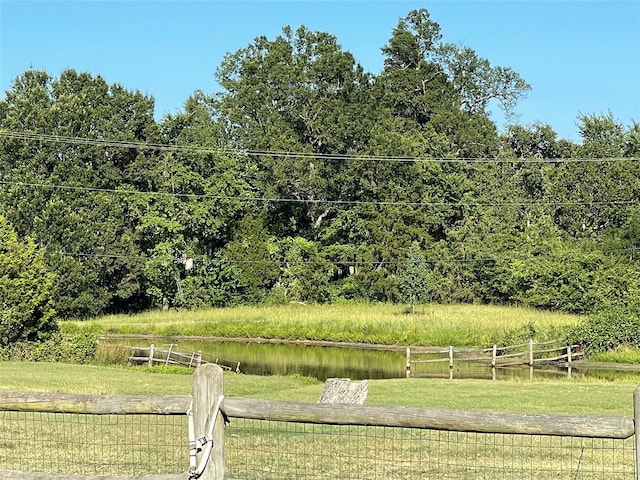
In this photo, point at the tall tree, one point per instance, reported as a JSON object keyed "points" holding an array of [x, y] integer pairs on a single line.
{"points": [[301, 95], [414, 281], [425, 74], [62, 191], [26, 306], [597, 190]]}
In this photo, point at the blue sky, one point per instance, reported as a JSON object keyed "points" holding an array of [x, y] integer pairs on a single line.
{"points": [[580, 57]]}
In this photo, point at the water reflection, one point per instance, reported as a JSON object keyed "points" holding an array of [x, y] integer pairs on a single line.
{"points": [[323, 362]]}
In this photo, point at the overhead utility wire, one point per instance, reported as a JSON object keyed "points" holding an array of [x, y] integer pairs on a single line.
{"points": [[316, 201], [354, 263], [32, 136]]}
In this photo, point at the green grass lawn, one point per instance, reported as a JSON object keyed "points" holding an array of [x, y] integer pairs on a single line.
{"points": [[271, 450], [110, 445], [460, 325], [539, 396]]}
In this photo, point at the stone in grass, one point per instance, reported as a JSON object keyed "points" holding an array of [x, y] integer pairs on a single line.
{"points": [[343, 390]]}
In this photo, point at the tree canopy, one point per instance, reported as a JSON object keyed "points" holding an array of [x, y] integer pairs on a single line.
{"points": [[307, 179]]}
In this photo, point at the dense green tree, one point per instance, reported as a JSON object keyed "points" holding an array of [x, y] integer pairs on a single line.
{"points": [[26, 294], [308, 180], [289, 101], [254, 253], [537, 141], [424, 75], [306, 273], [61, 191], [414, 281], [602, 136]]}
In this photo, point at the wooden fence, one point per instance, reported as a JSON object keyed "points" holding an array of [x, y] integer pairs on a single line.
{"points": [[525, 354], [211, 410], [153, 355]]}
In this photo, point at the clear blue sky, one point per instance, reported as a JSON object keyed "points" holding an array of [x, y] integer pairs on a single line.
{"points": [[580, 57]]}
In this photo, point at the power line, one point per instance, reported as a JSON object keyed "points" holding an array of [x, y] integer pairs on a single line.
{"points": [[240, 198], [42, 137], [354, 263]]}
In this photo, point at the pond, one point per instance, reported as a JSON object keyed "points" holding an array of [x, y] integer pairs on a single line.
{"points": [[322, 362]]}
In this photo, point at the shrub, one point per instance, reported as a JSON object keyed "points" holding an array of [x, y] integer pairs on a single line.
{"points": [[64, 348], [26, 306], [612, 325]]}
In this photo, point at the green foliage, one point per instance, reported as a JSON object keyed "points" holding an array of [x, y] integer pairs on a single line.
{"points": [[619, 354], [314, 182], [612, 325], [211, 283], [305, 276], [414, 280], [59, 347], [26, 306], [253, 253], [84, 227]]}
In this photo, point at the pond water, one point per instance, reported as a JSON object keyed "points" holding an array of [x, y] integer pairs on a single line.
{"points": [[324, 362]]}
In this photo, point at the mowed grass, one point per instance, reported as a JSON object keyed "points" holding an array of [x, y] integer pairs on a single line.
{"points": [[576, 396], [460, 325]]}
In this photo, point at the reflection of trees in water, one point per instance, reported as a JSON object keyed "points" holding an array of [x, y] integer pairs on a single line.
{"points": [[323, 362]]}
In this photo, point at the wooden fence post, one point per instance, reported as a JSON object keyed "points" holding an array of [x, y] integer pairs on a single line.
{"points": [[408, 369], [207, 389], [152, 351], [531, 352], [494, 355], [169, 354], [636, 421], [450, 362]]}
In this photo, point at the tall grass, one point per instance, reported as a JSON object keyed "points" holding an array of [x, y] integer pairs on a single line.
{"points": [[461, 325]]}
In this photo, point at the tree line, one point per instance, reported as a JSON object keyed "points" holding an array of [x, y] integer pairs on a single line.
{"points": [[307, 179]]}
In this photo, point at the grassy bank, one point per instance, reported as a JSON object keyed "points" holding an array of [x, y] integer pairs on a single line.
{"points": [[543, 396], [460, 325]]}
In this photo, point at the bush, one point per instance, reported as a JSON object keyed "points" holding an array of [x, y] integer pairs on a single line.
{"points": [[26, 306], [611, 326], [64, 348]]}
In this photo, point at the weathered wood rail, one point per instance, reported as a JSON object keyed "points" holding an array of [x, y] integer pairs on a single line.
{"points": [[208, 389], [153, 355], [590, 426], [16, 475], [525, 354]]}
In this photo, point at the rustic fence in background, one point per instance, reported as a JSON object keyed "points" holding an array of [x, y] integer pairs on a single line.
{"points": [[70, 434], [525, 354], [154, 355]]}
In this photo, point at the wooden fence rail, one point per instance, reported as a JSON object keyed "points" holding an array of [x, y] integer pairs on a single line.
{"points": [[153, 355], [591, 426], [208, 391], [525, 354]]}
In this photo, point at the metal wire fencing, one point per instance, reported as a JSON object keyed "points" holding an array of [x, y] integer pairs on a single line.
{"points": [[88, 444], [259, 449], [265, 440]]}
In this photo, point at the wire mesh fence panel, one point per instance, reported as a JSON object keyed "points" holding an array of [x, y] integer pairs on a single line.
{"points": [[93, 444], [257, 449]]}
